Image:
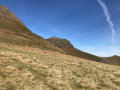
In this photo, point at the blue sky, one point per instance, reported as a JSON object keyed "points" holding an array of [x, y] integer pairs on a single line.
{"points": [[83, 22]]}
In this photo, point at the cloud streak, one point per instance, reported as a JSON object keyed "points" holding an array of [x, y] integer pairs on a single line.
{"points": [[107, 14]]}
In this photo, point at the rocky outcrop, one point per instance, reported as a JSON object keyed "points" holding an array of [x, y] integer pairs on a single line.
{"points": [[59, 42]]}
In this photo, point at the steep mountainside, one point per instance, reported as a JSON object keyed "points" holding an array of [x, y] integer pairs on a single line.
{"points": [[13, 31], [6, 14], [66, 46]]}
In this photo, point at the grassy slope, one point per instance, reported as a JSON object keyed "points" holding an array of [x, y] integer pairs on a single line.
{"points": [[75, 52], [18, 34], [34, 69]]}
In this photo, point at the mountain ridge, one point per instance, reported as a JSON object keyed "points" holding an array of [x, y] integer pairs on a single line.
{"points": [[113, 60], [6, 14], [66, 46], [13, 31]]}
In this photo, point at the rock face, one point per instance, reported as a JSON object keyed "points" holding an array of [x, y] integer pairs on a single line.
{"points": [[60, 42], [6, 14]]}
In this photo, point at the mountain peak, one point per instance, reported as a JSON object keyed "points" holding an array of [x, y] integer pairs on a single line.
{"points": [[59, 42], [3, 7], [54, 37], [7, 15]]}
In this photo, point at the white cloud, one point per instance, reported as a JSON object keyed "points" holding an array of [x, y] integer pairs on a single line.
{"points": [[107, 14]]}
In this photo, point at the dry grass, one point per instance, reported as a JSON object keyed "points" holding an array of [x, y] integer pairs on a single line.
{"points": [[26, 68]]}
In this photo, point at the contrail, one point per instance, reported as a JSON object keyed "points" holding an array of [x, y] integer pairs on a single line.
{"points": [[107, 14]]}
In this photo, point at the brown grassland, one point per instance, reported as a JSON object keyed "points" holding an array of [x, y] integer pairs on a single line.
{"points": [[28, 68]]}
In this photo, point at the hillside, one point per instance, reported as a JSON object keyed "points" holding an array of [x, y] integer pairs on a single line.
{"points": [[66, 46], [26, 68], [114, 60], [13, 31]]}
